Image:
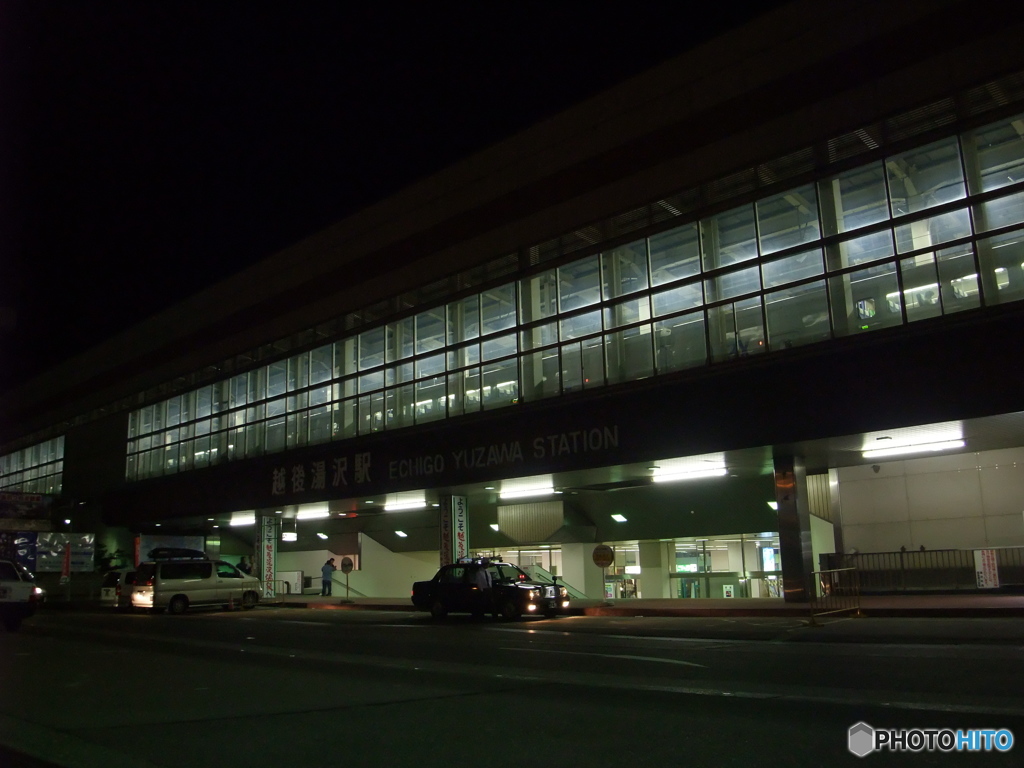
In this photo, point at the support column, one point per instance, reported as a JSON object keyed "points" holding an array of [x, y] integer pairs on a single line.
{"points": [[653, 569], [794, 526], [579, 571]]}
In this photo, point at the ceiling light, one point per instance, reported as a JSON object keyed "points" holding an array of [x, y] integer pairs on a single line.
{"points": [[321, 535], [397, 506], [312, 514], [774, 505], [242, 520], [618, 518], [900, 450], [401, 534], [696, 474], [521, 493], [289, 536], [494, 526]]}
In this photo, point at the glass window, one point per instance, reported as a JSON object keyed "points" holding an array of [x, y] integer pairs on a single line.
{"points": [[371, 348], [430, 330], [539, 336], [853, 199], [1001, 212], [859, 250], [320, 424], [275, 434], [275, 407], [463, 356], [958, 275], [173, 411], [627, 312], [539, 376], [257, 381], [346, 419], [538, 296], [624, 269], [736, 330], [498, 346], [995, 155], [797, 315], [733, 284], [371, 413], [677, 299], [321, 364], [298, 372], [463, 319], [1002, 267], [579, 284], [675, 255], [400, 339], [920, 287], [728, 238], [277, 378], [398, 374], [925, 177], [400, 406], [680, 343], [346, 357], [430, 399], [368, 382], [576, 326], [788, 219], [935, 230], [221, 398], [239, 390], [789, 269], [429, 366], [498, 309], [500, 384], [629, 354], [865, 300]]}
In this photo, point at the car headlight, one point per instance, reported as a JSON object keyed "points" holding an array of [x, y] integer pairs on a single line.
{"points": [[533, 594]]}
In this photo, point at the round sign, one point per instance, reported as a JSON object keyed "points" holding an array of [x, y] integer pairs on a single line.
{"points": [[603, 555], [346, 565]]}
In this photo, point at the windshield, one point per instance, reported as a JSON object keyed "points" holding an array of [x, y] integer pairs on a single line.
{"points": [[507, 572]]}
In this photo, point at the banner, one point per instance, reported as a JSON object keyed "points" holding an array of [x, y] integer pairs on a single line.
{"points": [[50, 552], [986, 569], [267, 553], [454, 525]]}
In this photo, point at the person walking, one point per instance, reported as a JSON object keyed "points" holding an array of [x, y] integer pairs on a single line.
{"points": [[244, 566], [327, 573]]}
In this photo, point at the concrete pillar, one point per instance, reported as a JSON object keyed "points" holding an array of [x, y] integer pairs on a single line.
{"points": [[794, 526], [579, 571], [654, 569]]}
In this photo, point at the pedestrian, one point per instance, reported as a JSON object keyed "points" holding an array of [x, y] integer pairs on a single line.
{"points": [[244, 566], [327, 572]]}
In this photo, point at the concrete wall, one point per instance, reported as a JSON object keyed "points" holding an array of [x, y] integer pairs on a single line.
{"points": [[382, 573], [946, 502]]}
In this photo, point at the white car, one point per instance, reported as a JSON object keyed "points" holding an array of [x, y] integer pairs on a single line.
{"points": [[116, 588], [179, 584]]}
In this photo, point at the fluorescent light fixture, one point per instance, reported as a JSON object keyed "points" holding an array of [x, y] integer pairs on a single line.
{"points": [[633, 570], [494, 526], [774, 505], [619, 518], [317, 513], [242, 520], [901, 450], [697, 474], [289, 536], [522, 493], [321, 535], [397, 506], [401, 534]]}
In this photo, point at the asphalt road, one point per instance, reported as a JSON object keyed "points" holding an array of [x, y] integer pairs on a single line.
{"points": [[296, 688]]}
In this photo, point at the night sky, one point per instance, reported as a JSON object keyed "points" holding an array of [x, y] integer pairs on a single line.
{"points": [[148, 149]]}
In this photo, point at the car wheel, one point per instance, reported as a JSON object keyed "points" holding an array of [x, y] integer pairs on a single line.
{"points": [[249, 600], [509, 610], [437, 610], [178, 605]]}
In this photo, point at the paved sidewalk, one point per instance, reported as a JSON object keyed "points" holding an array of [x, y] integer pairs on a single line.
{"points": [[905, 606]]}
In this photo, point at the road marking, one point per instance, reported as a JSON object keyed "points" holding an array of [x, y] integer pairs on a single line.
{"points": [[612, 656]]}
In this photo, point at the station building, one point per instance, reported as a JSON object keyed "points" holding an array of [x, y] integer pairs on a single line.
{"points": [[759, 304]]}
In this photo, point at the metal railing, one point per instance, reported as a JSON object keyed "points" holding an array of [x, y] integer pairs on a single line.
{"points": [[272, 591], [834, 591], [934, 570]]}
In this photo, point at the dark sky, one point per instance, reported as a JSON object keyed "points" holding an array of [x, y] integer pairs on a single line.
{"points": [[150, 148]]}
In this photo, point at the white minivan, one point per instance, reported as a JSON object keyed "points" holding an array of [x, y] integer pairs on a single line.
{"points": [[177, 585]]}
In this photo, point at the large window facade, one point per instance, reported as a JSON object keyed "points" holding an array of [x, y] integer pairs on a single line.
{"points": [[928, 232], [36, 469]]}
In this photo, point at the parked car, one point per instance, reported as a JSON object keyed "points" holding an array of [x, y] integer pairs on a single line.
{"points": [[116, 588], [19, 595], [177, 585], [482, 586]]}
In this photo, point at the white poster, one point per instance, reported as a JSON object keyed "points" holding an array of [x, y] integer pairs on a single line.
{"points": [[268, 554], [460, 526], [986, 568]]}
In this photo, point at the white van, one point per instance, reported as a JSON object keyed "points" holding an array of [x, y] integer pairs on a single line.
{"points": [[177, 585]]}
